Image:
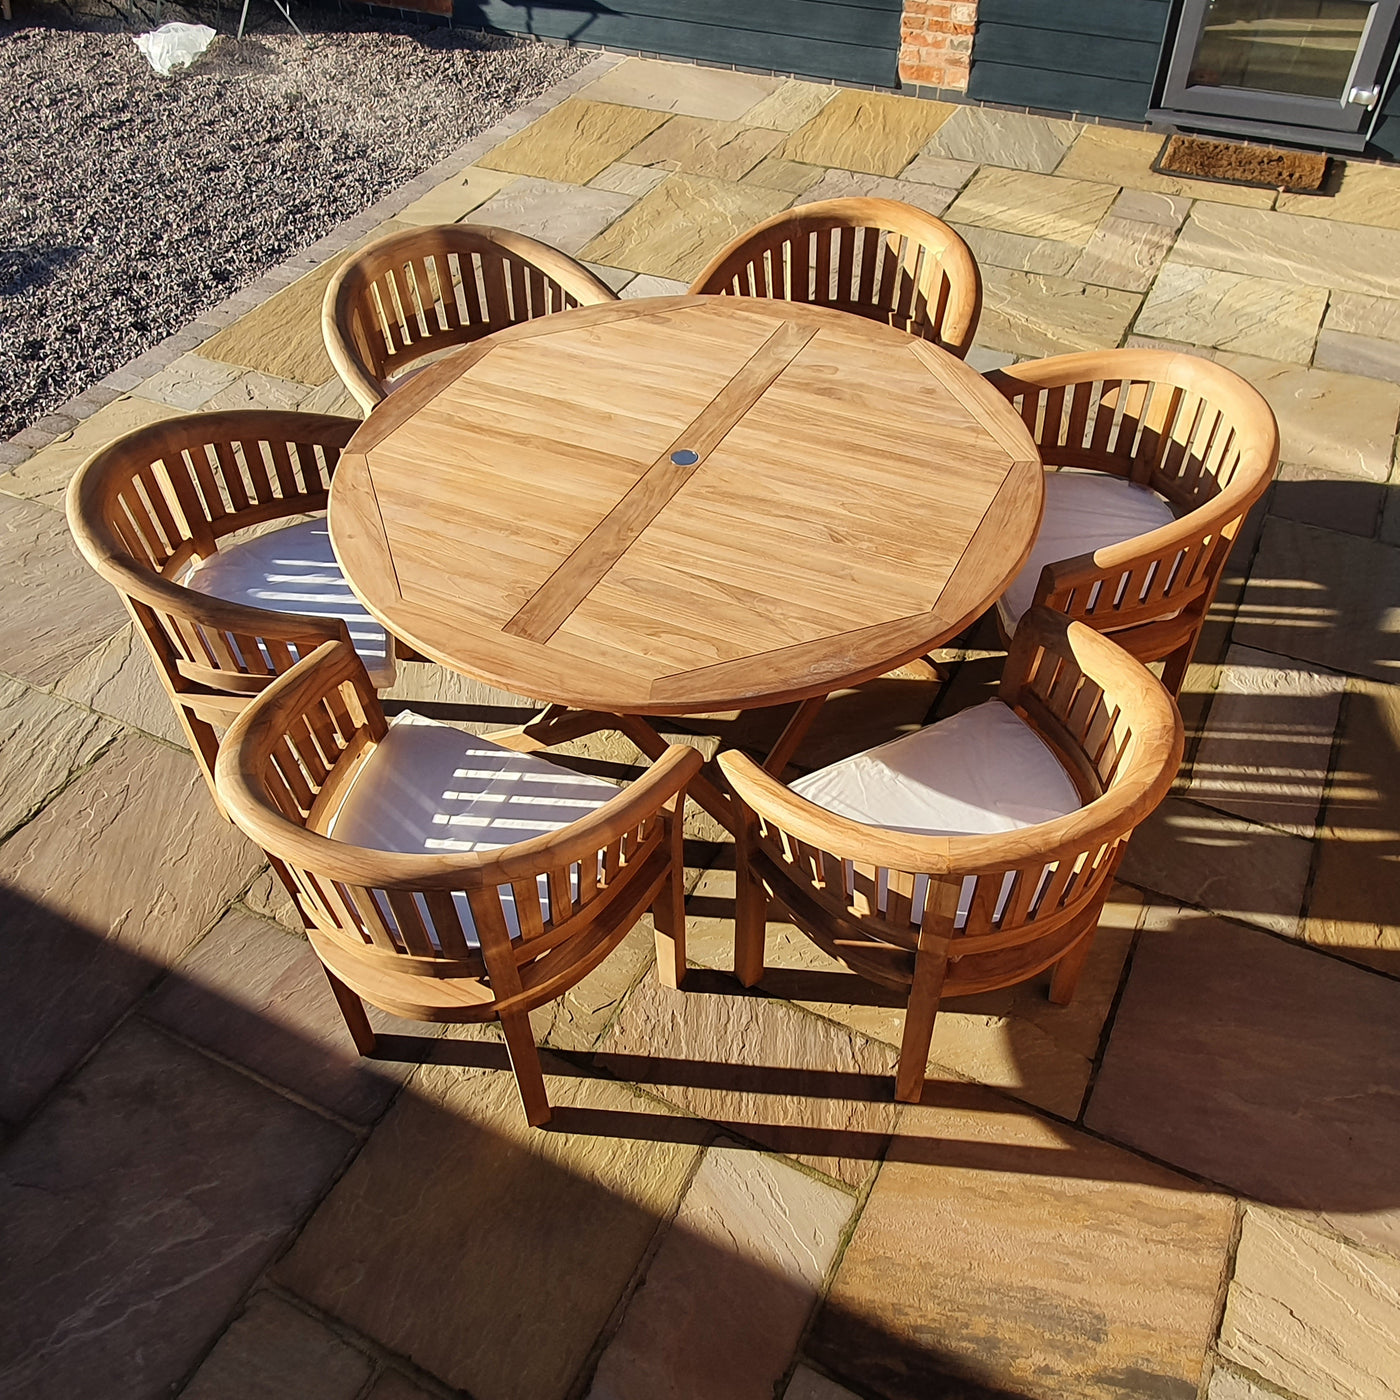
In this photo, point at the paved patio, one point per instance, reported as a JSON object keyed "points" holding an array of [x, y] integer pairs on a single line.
{"points": [[1184, 1184]]}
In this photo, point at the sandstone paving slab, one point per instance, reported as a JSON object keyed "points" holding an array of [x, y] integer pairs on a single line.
{"points": [[189, 382], [647, 285], [1012, 139], [45, 476], [1229, 311], [1014, 1039], [1328, 499], [56, 608], [1036, 314], [1125, 158], [44, 742], [1341, 422], [575, 141], [274, 1351], [488, 1252], [118, 678], [1193, 853], [139, 1206], [624, 178], [616, 277], [282, 336], [1036, 206], [258, 390], [807, 1384], [772, 1073], [1378, 317], [1354, 903], [103, 890], [775, 173], [575, 1020], [1312, 1314], [1260, 1064], [564, 216], [677, 228], [1365, 194], [743, 1262], [1149, 207], [853, 184], [1230, 1385], [938, 170], [1124, 253], [1358, 354], [454, 199], [393, 1385], [332, 397], [870, 131], [1322, 596], [999, 1253], [792, 105], [995, 248], [696, 146], [1267, 744], [256, 994], [1313, 252], [691, 90], [268, 897]]}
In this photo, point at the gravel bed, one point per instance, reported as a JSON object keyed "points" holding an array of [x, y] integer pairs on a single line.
{"points": [[132, 202]]}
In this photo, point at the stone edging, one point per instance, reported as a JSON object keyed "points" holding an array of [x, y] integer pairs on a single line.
{"points": [[134, 373]]}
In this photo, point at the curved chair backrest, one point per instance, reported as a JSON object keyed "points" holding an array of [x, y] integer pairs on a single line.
{"points": [[874, 257], [148, 506], [390, 926], [423, 290], [987, 911], [1193, 431]]}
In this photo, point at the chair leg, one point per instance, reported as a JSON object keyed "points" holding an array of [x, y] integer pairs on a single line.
{"points": [[750, 915], [930, 968], [525, 1061], [1174, 671], [668, 916], [1064, 980], [353, 1010]]}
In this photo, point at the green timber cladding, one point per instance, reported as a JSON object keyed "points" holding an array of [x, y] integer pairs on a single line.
{"points": [[1098, 57], [850, 41]]}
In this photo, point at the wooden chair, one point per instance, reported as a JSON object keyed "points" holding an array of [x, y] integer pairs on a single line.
{"points": [[424, 290], [874, 257], [149, 512], [440, 876], [973, 853], [1179, 450]]}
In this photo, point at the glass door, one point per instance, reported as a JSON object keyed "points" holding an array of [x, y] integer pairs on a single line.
{"points": [[1300, 63]]}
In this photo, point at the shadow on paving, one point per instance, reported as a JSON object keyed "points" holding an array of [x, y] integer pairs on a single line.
{"points": [[152, 1189]]}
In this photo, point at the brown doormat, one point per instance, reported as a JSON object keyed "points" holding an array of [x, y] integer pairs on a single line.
{"points": [[1236, 164]]}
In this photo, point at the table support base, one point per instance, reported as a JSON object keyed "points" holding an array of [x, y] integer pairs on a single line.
{"points": [[557, 724]]}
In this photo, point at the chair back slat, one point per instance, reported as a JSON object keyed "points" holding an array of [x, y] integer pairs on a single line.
{"points": [[873, 257]]}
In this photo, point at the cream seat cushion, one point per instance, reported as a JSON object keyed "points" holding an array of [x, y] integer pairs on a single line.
{"points": [[983, 771], [430, 789], [294, 570], [1084, 511]]}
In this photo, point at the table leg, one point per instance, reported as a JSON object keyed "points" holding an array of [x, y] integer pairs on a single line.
{"points": [[794, 732], [555, 724]]}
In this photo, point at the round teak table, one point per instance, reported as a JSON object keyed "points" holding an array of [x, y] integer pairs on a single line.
{"points": [[685, 505]]}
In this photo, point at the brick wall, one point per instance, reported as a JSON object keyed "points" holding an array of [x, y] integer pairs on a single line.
{"points": [[936, 42]]}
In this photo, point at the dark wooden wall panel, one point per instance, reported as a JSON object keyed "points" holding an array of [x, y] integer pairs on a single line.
{"points": [[1094, 56], [854, 41]]}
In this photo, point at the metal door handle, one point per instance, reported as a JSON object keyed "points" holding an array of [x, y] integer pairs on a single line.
{"points": [[1364, 97]]}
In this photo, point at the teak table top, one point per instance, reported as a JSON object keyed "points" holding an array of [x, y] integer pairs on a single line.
{"points": [[686, 504]]}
